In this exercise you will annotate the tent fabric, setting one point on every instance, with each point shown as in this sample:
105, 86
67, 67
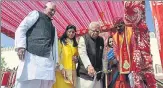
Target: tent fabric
78, 13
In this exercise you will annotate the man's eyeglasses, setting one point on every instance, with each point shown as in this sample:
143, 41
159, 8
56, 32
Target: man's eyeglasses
97, 31
71, 32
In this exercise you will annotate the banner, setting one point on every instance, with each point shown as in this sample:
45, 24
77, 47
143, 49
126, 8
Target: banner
157, 11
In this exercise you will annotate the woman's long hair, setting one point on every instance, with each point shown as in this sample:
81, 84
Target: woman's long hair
64, 36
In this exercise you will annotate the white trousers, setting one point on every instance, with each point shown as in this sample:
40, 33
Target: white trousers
34, 84
82, 83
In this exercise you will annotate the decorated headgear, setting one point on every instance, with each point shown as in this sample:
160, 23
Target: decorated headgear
118, 21
134, 11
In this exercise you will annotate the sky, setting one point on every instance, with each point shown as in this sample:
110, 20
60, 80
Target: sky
9, 42
6, 41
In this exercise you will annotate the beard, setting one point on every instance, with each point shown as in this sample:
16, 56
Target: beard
120, 30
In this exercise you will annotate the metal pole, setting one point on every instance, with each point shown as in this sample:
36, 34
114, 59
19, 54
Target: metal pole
106, 80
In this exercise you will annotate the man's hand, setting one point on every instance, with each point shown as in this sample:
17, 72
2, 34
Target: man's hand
57, 67
21, 53
75, 59
91, 70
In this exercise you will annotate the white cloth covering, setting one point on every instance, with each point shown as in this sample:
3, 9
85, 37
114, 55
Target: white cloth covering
34, 84
82, 83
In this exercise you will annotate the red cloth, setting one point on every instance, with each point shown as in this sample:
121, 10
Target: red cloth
121, 82
158, 19
14, 79
5, 78
142, 60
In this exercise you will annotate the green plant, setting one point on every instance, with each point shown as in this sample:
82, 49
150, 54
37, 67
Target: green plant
3, 63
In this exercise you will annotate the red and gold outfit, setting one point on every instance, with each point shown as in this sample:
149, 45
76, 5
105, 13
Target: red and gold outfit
123, 43
142, 61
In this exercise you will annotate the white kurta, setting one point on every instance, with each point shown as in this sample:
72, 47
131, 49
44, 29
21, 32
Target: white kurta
34, 67
83, 83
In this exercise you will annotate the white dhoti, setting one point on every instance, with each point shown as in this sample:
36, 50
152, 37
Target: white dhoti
35, 72
82, 83
34, 84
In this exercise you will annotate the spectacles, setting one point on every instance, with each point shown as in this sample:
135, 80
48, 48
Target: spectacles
71, 31
97, 31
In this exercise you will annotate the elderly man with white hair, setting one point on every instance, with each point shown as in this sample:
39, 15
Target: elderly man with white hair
90, 50
36, 46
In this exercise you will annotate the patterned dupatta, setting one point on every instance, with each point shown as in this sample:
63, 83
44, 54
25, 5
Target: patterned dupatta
110, 55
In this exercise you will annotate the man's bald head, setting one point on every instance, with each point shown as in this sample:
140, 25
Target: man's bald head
50, 9
50, 5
